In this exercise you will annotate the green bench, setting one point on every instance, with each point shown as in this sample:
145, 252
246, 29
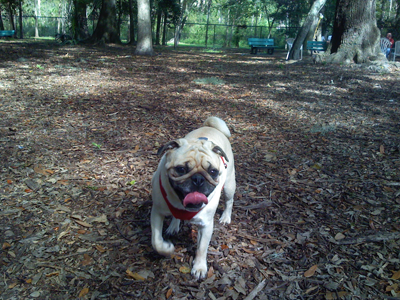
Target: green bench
7, 33
257, 43
317, 45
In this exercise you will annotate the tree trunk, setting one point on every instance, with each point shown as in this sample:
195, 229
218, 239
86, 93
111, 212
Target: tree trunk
309, 25
11, 15
106, 29
21, 32
164, 35
131, 24
1, 21
80, 27
158, 25
355, 33
144, 43
208, 20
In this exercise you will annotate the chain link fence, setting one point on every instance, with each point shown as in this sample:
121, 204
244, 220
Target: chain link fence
195, 34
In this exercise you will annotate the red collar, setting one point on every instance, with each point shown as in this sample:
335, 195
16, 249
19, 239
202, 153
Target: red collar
179, 214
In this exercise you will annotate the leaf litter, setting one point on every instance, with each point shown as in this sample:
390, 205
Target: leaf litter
317, 150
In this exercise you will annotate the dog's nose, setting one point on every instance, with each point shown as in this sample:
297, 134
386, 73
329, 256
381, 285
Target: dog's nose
198, 180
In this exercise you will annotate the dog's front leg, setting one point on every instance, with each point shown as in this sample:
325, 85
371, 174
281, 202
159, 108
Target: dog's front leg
162, 247
199, 269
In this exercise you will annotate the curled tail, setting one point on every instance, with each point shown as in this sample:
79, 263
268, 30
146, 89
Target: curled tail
218, 124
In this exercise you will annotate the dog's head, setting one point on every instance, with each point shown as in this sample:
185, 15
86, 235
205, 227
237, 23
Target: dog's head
194, 168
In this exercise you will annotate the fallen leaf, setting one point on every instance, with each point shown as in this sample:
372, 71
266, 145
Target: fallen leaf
382, 149
100, 248
83, 292
396, 275
311, 271
12, 285
63, 182
42, 171
134, 275
339, 236
210, 272
184, 270
5, 245
83, 223
169, 293
9, 181
392, 287
87, 260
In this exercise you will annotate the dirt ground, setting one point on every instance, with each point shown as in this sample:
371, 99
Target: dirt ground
317, 150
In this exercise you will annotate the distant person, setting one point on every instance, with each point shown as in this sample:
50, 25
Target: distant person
391, 40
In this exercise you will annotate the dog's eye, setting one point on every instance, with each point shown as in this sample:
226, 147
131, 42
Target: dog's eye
213, 172
180, 170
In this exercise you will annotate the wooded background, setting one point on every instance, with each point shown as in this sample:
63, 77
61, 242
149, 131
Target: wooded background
218, 23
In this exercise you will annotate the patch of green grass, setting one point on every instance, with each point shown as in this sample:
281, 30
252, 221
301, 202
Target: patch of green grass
209, 80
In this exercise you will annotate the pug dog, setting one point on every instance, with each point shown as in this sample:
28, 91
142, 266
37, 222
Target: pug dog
187, 185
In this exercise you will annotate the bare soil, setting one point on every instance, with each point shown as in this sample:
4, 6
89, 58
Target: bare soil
317, 149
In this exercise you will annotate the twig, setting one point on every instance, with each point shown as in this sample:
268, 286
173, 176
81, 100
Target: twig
381, 237
254, 292
261, 240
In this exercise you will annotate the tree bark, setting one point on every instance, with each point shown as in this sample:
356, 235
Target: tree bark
21, 32
11, 16
309, 24
144, 43
355, 33
1, 21
80, 27
131, 24
106, 29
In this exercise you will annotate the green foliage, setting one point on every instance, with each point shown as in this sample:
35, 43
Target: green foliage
171, 9
96, 145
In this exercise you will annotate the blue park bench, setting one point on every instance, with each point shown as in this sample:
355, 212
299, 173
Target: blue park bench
7, 33
317, 45
258, 43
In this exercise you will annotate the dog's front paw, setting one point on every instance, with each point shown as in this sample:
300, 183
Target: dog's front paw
225, 218
199, 270
164, 248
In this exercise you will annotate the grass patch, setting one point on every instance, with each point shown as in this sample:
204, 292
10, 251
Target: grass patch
209, 80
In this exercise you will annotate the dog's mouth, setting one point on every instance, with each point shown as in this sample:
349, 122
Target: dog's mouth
194, 201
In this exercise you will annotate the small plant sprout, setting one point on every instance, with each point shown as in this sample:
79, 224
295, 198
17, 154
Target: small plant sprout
96, 145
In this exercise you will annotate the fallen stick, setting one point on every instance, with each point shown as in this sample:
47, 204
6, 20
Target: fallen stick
371, 238
254, 292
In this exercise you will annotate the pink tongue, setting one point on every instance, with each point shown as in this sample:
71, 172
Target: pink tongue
195, 198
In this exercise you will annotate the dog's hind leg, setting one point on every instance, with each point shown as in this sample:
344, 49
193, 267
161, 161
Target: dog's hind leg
173, 228
229, 192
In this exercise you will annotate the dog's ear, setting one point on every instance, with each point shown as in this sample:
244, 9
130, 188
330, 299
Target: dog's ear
168, 146
219, 151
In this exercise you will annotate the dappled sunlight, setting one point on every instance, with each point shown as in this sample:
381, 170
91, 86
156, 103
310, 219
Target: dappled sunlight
315, 145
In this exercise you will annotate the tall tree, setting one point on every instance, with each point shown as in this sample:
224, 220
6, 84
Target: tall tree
131, 24
355, 33
106, 30
21, 31
79, 20
309, 24
1, 20
37, 15
144, 43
